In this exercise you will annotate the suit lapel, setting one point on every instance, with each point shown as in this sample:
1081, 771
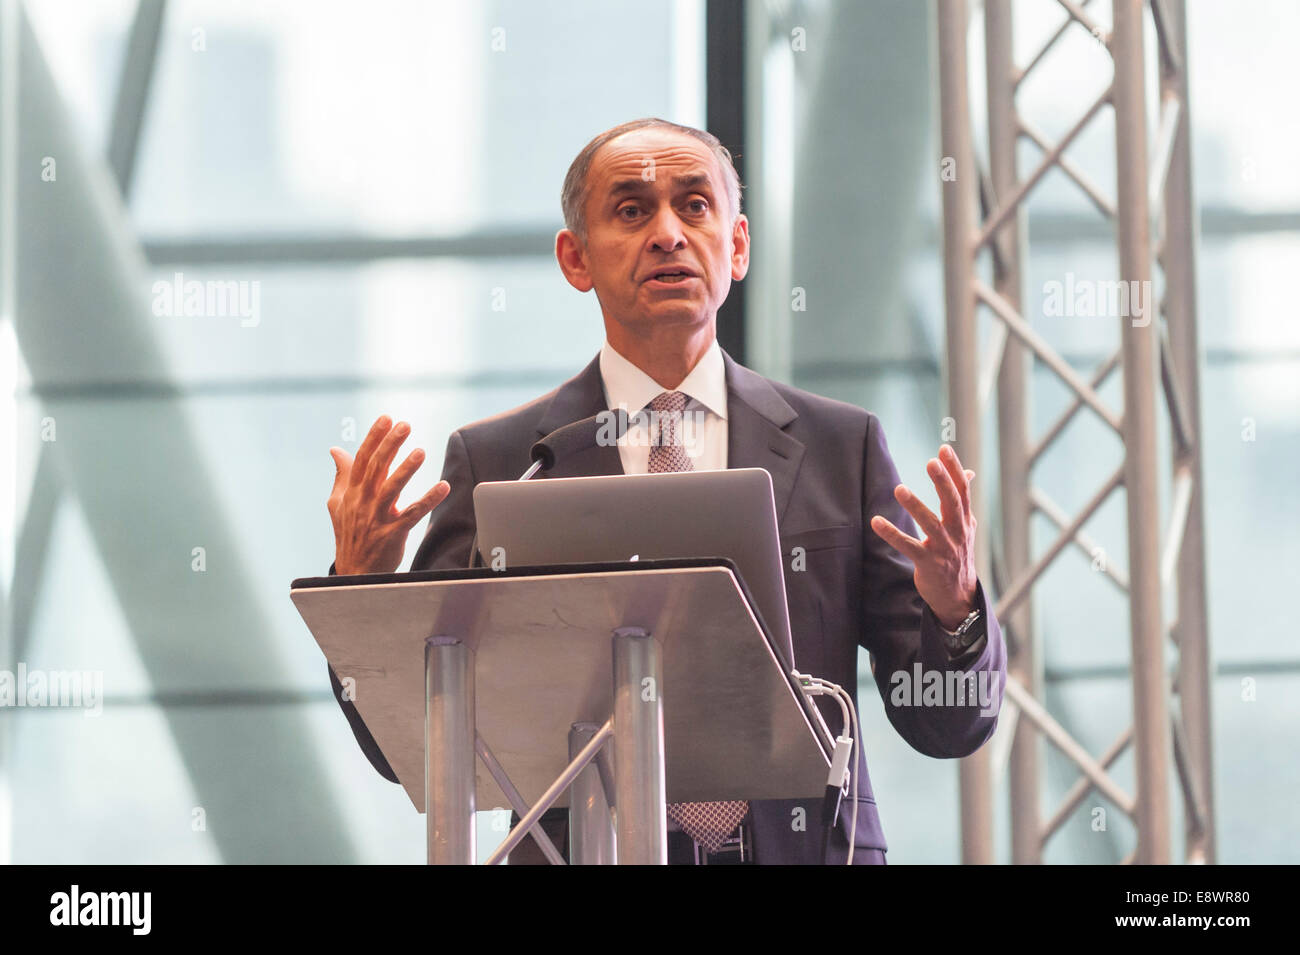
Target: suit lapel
756, 413
757, 416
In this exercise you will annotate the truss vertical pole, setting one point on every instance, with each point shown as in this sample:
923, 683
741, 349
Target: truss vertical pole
958, 180
1140, 343
1024, 660
1179, 260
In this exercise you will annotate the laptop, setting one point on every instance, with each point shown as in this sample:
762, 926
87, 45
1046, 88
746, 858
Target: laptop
722, 513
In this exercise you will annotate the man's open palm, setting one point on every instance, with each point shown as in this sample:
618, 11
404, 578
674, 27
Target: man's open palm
945, 562
369, 531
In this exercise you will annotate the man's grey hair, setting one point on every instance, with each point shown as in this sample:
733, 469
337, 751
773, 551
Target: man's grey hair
574, 195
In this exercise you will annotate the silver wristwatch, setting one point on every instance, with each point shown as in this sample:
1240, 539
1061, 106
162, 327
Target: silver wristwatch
957, 639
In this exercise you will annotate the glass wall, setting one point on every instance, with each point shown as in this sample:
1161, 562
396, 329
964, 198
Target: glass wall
381, 185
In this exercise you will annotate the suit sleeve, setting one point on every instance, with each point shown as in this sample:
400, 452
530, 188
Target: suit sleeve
446, 544
906, 641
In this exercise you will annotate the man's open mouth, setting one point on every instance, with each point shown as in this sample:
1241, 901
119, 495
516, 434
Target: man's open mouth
672, 276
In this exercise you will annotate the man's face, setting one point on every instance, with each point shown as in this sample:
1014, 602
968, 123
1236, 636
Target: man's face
656, 203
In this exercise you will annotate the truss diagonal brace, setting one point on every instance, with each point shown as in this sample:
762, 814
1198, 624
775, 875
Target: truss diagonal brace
1083, 786
1032, 710
1020, 589
1046, 354
1004, 211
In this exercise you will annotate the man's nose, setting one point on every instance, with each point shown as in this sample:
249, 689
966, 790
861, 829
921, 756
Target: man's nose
666, 232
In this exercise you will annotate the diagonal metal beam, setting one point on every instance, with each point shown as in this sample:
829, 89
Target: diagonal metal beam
1046, 353
1098, 377
133, 90
1067, 166
32, 548
1079, 791
1178, 512
992, 363
1004, 738
1175, 402
1170, 112
1077, 14
1057, 516
1056, 734
996, 220
1019, 75
1020, 589
516, 800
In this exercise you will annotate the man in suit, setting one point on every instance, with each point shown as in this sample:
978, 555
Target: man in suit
653, 226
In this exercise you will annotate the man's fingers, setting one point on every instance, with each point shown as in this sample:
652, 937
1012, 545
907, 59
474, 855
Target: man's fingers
948, 458
415, 512
949, 500
342, 467
905, 544
383, 457
392, 488
948, 450
362, 461
920, 513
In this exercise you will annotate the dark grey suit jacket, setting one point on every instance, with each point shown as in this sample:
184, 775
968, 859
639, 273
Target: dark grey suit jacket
831, 472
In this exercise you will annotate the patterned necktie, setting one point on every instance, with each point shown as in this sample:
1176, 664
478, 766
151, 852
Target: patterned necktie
708, 823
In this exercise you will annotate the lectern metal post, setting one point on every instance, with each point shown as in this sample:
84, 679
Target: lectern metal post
591, 828
639, 795
449, 778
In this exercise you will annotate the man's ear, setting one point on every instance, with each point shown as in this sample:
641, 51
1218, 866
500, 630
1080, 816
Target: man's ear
740, 248
572, 256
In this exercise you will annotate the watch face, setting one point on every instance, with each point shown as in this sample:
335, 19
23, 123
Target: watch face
967, 632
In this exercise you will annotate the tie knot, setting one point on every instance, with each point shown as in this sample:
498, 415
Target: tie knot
669, 402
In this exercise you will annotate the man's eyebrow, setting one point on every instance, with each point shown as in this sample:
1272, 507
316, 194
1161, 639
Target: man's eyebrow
637, 186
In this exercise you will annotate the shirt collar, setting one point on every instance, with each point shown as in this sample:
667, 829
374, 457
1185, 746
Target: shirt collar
628, 386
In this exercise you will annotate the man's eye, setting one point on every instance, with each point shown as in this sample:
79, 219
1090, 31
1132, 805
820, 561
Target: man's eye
702, 204
626, 209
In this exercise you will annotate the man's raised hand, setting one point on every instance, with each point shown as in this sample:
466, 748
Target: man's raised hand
945, 562
369, 531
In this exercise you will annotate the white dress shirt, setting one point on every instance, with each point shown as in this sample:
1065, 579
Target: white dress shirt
704, 426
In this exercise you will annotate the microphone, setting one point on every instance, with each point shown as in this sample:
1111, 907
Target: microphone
575, 437
606, 426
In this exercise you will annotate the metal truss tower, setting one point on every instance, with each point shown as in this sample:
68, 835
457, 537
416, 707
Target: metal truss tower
1155, 227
